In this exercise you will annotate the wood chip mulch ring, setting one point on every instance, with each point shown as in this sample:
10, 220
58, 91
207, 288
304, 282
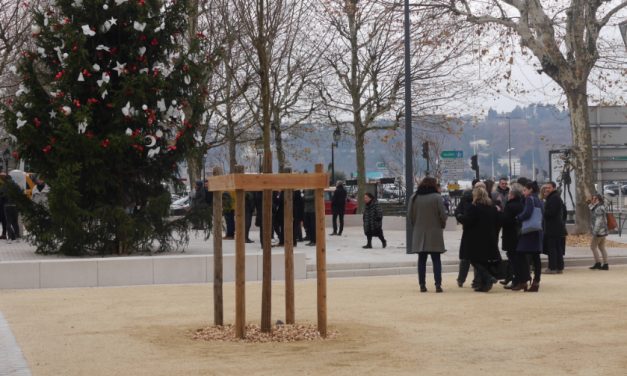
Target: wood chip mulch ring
280, 333
584, 241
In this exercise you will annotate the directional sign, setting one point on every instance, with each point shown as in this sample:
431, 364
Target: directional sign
448, 154
452, 165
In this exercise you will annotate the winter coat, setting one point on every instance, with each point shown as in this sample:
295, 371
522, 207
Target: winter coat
460, 211
428, 218
373, 218
338, 201
309, 201
554, 216
228, 202
40, 196
511, 227
530, 242
499, 197
481, 222
599, 220
299, 206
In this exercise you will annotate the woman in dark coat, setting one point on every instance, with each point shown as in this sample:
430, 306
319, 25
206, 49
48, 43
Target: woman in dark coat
482, 222
530, 244
428, 219
460, 211
511, 228
373, 220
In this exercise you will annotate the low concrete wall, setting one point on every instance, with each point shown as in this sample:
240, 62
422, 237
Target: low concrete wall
127, 271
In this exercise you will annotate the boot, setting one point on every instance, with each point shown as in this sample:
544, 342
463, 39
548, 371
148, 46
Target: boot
367, 246
438, 288
535, 286
597, 265
384, 242
605, 267
520, 286
423, 288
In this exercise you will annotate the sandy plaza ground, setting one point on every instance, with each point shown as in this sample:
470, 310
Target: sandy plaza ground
575, 325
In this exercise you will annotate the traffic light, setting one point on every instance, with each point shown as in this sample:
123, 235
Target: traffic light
425, 150
473, 163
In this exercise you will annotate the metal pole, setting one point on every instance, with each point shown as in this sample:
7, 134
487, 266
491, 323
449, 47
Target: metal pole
409, 175
332, 163
509, 146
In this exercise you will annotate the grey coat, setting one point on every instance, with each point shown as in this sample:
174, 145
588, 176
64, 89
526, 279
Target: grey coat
428, 219
599, 220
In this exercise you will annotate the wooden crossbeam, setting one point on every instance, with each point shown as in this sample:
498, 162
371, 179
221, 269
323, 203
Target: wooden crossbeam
260, 182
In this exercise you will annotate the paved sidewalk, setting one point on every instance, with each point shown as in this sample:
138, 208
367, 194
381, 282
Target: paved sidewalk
12, 362
342, 251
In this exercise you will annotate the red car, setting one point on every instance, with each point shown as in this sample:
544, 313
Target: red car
351, 203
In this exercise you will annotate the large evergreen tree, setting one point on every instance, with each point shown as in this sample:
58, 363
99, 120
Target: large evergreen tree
103, 115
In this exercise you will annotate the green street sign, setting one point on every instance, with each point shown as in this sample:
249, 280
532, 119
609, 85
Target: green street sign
450, 154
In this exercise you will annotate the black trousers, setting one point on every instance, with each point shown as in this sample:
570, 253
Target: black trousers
13, 230
522, 266
484, 276
378, 234
310, 226
337, 215
555, 248
249, 222
464, 268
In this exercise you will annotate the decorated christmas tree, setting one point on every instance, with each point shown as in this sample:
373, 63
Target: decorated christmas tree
106, 110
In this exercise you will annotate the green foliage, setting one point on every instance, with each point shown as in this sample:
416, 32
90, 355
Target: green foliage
109, 105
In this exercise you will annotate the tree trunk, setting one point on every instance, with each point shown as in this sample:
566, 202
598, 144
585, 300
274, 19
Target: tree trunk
232, 145
194, 168
361, 168
278, 140
582, 155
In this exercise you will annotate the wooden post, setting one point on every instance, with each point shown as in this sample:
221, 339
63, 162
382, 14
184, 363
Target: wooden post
218, 301
240, 261
321, 262
288, 240
266, 284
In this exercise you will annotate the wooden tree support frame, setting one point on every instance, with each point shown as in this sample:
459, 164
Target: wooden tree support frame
241, 183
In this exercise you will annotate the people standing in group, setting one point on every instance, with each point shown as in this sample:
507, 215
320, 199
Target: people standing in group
599, 232
482, 223
373, 220
554, 228
510, 232
338, 205
309, 220
529, 244
428, 219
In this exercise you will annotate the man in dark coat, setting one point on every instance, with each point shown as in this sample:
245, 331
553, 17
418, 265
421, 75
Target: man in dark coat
309, 220
249, 203
513, 207
554, 229
338, 205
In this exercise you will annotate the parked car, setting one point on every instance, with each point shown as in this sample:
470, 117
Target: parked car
180, 206
351, 203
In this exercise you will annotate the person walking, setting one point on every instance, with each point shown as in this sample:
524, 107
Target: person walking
249, 210
599, 232
10, 211
338, 205
554, 229
529, 244
373, 220
428, 219
510, 231
482, 248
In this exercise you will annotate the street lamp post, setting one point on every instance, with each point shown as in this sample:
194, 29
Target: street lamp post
509, 146
336, 138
